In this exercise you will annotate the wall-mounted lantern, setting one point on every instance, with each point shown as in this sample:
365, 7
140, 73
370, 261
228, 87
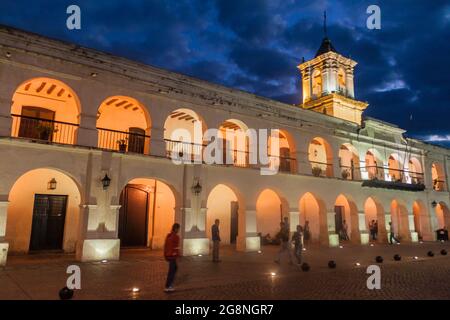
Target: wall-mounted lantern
51, 185
106, 181
197, 188
434, 204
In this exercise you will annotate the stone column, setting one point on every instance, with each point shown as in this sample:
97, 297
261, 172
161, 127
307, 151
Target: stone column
5, 117
3, 244
360, 235
87, 132
294, 219
382, 232
349, 83
247, 239
414, 236
98, 233
328, 235
157, 143
195, 241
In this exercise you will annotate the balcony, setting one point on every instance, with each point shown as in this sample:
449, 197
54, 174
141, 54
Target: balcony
43, 130
122, 141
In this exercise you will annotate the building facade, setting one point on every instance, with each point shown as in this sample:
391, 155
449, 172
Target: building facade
88, 142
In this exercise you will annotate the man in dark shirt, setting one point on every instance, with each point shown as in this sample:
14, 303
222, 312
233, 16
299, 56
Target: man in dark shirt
215, 234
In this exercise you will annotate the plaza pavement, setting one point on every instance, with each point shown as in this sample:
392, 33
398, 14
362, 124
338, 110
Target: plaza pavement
240, 276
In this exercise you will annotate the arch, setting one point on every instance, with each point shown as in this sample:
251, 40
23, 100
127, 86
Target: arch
349, 162
147, 213
223, 204
183, 133
45, 109
438, 177
415, 171
123, 124
400, 221
235, 142
320, 155
395, 168
286, 157
311, 208
421, 220
346, 212
341, 80
271, 208
374, 165
41, 216
317, 86
374, 213
443, 215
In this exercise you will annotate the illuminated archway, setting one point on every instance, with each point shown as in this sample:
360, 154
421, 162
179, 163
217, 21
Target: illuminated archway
415, 171
45, 109
223, 204
320, 156
310, 212
342, 80
43, 212
349, 162
316, 83
400, 221
395, 168
421, 220
442, 215
346, 213
147, 213
270, 210
374, 165
438, 177
285, 159
183, 133
374, 213
123, 124
235, 142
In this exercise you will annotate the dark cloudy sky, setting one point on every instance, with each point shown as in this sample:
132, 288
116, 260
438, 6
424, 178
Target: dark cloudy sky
255, 45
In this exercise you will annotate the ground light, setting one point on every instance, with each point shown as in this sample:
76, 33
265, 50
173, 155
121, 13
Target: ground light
200, 255
273, 274
135, 290
304, 249
416, 258
340, 247
357, 264
104, 261
371, 244
259, 251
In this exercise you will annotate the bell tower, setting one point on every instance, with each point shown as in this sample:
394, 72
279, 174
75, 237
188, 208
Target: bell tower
327, 83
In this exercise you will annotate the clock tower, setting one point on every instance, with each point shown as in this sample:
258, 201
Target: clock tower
327, 84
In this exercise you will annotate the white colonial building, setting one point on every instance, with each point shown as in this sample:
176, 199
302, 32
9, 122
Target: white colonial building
87, 140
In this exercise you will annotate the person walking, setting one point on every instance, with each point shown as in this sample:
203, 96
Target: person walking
215, 235
283, 235
297, 239
391, 234
171, 254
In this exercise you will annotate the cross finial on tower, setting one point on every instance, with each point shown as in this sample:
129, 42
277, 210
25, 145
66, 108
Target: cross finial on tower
325, 24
